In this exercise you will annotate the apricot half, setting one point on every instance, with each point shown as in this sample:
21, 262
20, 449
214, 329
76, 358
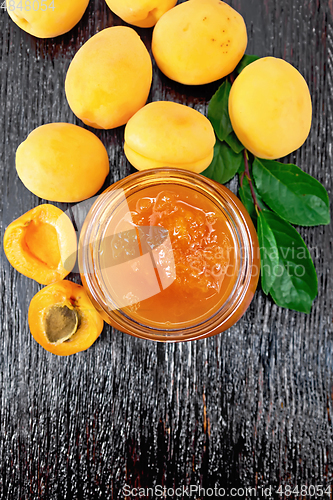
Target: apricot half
46, 18
41, 244
63, 320
167, 134
199, 41
109, 78
62, 162
270, 108
142, 13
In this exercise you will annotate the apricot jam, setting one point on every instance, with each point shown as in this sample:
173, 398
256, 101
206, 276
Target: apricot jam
200, 253
169, 255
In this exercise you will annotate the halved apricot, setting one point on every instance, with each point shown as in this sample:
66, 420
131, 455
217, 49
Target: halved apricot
63, 320
41, 244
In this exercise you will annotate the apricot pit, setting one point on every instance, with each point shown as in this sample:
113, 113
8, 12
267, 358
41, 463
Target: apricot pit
61, 323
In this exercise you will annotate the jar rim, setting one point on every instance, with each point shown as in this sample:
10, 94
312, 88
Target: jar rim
98, 215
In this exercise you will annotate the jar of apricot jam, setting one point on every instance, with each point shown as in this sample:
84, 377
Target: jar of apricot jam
169, 255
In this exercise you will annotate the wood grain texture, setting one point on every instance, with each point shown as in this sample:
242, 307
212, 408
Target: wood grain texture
250, 407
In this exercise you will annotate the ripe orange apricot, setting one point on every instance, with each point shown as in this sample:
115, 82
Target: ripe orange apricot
199, 41
270, 108
63, 320
168, 134
142, 13
46, 18
41, 244
109, 78
62, 162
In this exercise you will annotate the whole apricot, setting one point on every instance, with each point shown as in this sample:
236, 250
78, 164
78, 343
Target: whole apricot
50, 18
199, 41
63, 320
62, 162
142, 13
41, 244
109, 78
167, 134
270, 108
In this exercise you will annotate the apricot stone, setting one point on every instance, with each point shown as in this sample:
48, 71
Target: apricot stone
41, 244
109, 78
199, 41
270, 108
46, 18
142, 13
167, 134
62, 162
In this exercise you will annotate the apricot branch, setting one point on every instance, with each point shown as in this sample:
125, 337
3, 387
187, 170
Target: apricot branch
248, 176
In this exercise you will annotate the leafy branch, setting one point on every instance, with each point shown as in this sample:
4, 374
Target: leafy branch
248, 176
276, 195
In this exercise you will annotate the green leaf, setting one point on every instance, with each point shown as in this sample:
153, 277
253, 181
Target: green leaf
291, 193
269, 254
245, 61
225, 164
233, 141
246, 197
218, 113
295, 285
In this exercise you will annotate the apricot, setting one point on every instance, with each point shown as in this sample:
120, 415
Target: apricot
199, 41
46, 18
109, 78
41, 244
167, 134
63, 320
270, 108
142, 13
62, 162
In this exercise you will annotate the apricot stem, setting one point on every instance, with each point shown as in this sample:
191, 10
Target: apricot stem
61, 322
248, 176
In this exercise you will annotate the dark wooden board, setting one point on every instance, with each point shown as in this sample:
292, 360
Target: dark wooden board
250, 407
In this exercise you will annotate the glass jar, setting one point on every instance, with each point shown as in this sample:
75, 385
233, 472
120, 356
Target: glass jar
131, 261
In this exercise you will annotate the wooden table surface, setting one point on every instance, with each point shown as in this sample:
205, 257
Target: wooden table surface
251, 407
